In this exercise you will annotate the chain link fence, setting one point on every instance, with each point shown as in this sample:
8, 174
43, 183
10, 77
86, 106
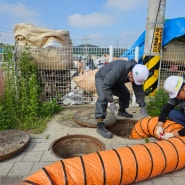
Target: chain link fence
67, 73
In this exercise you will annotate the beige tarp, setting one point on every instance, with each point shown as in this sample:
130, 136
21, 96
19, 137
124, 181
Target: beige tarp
86, 81
52, 49
30, 35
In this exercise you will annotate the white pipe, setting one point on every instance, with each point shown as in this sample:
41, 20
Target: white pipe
136, 59
110, 53
137, 54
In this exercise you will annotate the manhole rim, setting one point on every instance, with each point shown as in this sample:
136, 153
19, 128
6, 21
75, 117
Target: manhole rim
95, 140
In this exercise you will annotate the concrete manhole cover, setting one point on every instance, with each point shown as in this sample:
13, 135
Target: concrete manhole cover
12, 142
85, 117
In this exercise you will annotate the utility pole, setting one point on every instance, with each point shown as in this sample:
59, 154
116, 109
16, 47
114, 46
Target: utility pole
153, 43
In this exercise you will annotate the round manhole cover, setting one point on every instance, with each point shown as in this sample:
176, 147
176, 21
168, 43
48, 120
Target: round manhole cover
123, 127
76, 145
86, 117
12, 142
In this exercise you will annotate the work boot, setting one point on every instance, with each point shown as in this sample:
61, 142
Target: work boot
124, 113
103, 131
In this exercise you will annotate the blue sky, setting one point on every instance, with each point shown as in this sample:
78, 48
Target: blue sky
86, 20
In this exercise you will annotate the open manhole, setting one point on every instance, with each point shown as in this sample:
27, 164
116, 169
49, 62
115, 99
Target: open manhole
86, 117
12, 142
76, 145
122, 127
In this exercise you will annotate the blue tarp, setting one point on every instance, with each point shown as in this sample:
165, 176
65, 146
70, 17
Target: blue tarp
173, 28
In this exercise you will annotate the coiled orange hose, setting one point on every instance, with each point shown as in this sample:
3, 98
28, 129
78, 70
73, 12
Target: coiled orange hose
115, 167
147, 126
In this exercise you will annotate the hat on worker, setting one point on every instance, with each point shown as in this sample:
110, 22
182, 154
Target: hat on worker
140, 73
172, 85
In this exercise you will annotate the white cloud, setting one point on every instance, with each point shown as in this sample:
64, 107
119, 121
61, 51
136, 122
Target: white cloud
17, 9
113, 9
126, 5
90, 20
13, 13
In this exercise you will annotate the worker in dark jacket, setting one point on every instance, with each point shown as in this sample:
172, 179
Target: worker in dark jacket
175, 87
110, 80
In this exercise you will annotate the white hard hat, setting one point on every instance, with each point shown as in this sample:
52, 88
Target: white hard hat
172, 85
140, 73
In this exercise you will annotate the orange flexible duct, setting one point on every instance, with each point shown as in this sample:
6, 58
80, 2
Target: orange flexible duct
115, 167
147, 126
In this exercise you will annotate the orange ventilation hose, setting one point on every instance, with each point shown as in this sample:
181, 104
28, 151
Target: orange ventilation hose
115, 167
147, 126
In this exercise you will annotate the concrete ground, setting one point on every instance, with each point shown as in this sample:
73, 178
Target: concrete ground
39, 154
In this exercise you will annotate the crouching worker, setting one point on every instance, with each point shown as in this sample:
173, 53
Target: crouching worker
110, 80
175, 87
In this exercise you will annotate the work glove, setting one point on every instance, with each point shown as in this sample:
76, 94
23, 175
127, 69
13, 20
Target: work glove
160, 132
113, 108
167, 135
143, 112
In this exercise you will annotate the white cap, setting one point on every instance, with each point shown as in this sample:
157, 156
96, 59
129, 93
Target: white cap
172, 85
140, 73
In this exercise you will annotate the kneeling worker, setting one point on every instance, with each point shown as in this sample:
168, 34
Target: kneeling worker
175, 87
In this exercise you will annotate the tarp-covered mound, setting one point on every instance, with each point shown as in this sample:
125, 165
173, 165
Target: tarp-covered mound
30, 35
52, 49
173, 28
86, 81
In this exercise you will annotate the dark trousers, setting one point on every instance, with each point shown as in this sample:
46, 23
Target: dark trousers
120, 91
178, 116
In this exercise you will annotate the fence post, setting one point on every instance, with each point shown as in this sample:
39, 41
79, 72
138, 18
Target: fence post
136, 54
111, 53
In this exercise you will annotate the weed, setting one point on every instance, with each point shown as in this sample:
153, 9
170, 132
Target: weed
21, 107
147, 140
155, 103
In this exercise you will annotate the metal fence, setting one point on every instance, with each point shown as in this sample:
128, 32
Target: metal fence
173, 61
68, 73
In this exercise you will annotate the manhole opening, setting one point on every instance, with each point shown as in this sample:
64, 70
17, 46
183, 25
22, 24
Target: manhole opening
122, 128
76, 145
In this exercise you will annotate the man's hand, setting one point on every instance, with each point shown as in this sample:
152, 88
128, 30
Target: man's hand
160, 132
113, 108
167, 135
143, 112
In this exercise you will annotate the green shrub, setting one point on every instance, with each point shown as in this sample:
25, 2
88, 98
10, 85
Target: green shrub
22, 108
155, 103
